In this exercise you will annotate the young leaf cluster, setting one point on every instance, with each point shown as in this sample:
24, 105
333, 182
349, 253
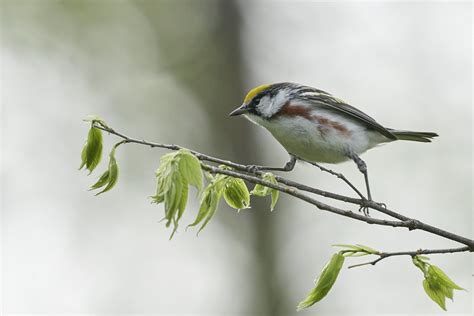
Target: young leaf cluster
92, 150
261, 190
176, 172
110, 176
92, 153
179, 170
325, 281
235, 194
437, 285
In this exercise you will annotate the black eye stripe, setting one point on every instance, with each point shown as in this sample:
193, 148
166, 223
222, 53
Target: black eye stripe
257, 99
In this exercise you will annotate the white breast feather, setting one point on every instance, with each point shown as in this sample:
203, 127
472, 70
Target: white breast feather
306, 139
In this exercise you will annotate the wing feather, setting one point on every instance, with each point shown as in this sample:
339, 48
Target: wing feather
330, 102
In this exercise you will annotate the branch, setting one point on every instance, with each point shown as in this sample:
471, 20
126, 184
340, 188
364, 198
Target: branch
291, 188
338, 175
384, 255
295, 193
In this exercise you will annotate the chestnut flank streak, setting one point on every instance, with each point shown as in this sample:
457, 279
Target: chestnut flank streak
325, 124
295, 110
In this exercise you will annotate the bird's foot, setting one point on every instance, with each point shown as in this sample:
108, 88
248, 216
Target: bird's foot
252, 168
364, 210
364, 206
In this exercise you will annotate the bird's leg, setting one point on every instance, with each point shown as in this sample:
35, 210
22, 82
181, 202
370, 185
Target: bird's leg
287, 167
363, 168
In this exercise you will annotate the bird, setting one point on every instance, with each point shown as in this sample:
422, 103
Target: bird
317, 127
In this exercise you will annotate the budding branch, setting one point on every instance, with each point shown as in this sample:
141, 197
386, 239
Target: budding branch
295, 189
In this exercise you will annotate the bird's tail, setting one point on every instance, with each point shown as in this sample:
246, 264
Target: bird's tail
424, 137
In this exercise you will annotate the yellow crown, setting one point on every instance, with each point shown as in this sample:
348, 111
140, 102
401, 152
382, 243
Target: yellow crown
252, 93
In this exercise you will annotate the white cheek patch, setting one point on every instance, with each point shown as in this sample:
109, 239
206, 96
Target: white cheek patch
265, 107
269, 106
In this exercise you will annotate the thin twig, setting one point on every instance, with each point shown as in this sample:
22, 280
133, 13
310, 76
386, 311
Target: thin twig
289, 187
338, 175
384, 255
241, 167
291, 191
244, 168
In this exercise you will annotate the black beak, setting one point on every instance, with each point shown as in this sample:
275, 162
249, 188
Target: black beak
239, 111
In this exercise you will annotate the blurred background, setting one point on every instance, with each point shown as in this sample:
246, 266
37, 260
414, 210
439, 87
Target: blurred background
171, 71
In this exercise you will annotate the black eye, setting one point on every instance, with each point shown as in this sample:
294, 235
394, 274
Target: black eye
256, 100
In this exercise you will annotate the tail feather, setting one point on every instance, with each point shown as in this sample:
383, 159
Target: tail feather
424, 137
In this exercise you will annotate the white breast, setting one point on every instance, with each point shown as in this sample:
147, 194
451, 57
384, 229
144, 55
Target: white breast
316, 140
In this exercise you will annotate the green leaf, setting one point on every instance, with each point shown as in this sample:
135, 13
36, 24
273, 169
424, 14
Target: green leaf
275, 196
215, 198
325, 281
209, 202
356, 250
261, 190
448, 292
350, 253
173, 198
368, 249
158, 198
164, 177
442, 278
435, 293
204, 206
83, 156
92, 150
111, 177
236, 193
420, 263
175, 173
174, 213
437, 285
166, 159
103, 180
162, 186
173, 176
169, 199
183, 202
352, 247
209, 177
190, 168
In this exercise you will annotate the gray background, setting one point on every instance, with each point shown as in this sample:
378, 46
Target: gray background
170, 71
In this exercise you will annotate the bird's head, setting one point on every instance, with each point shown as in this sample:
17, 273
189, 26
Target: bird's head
265, 100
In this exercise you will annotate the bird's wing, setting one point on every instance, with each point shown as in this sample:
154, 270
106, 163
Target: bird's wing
328, 101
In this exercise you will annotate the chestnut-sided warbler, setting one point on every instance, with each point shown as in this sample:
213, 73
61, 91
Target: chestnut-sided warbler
315, 126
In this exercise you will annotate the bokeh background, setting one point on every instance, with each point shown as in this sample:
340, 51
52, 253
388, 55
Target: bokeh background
170, 71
